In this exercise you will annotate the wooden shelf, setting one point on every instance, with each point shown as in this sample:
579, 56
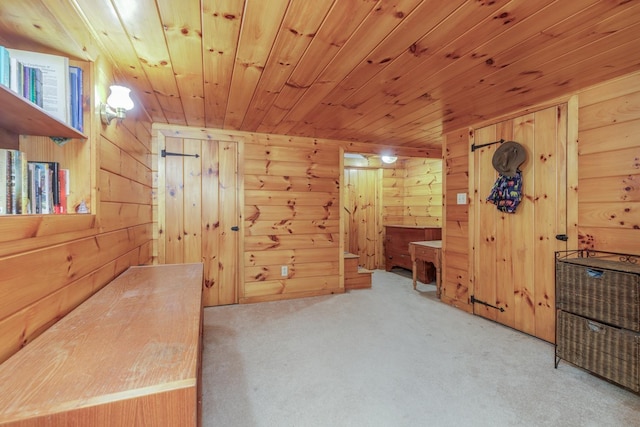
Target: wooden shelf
23, 117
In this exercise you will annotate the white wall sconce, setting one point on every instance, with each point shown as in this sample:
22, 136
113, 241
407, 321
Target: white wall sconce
118, 103
388, 159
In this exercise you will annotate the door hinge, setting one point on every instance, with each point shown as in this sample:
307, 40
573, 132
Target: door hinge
235, 228
474, 147
165, 153
475, 300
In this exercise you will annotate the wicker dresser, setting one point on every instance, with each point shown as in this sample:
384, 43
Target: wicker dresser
598, 314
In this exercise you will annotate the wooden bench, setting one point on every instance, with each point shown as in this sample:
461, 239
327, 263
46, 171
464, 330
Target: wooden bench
355, 277
129, 355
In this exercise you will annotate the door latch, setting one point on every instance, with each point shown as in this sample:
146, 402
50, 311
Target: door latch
235, 228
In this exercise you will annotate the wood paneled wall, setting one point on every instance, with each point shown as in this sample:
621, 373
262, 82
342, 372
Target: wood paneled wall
393, 178
292, 210
423, 192
292, 217
52, 263
609, 166
291, 213
412, 192
457, 277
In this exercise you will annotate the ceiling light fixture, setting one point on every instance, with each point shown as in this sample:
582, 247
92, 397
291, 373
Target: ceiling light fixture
389, 159
118, 103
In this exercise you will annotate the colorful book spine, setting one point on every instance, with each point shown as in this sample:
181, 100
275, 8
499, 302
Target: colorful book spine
64, 190
4, 162
54, 168
44, 187
47, 188
26, 82
75, 94
11, 183
19, 185
24, 184
36, 188
38, 88
5, 67
17, 76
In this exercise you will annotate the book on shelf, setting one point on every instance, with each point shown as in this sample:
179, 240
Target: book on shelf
22, 189
55, 80
63, 178
48, 187
54, 169
17, 76
5, 67
33, 85
13, 182
46, 80
30, 187
75, 94
4, 179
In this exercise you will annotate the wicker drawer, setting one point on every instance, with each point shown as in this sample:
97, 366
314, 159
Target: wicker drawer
603, 290
609, 352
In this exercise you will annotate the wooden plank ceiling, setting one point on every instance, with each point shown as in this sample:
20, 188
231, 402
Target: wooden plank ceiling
393, 72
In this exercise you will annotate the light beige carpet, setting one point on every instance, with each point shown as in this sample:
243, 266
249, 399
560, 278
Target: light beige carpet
391, 356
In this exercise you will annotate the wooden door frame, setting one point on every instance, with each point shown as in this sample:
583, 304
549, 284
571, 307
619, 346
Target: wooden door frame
571, 176
159, 133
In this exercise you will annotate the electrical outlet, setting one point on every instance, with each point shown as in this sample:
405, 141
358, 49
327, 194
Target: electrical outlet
284, 271
462, 198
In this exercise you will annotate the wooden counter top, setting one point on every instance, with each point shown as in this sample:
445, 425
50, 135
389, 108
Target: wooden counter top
129, 353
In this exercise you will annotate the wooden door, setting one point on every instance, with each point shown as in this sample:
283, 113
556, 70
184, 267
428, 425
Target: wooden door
201, 210
514, 252
362, 216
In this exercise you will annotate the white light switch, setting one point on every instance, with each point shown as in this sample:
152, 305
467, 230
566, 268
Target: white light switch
284, 271
462, 198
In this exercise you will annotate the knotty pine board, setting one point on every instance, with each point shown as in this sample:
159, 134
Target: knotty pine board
289, 256
343, 19
369, 34
276, 228
298, 269
254, 46
290, 183
230, 192
115, 216
117, 188
184, 47
608, 172
281, 213
270, 290
286, 52
456, 282
192, 224
619, 189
